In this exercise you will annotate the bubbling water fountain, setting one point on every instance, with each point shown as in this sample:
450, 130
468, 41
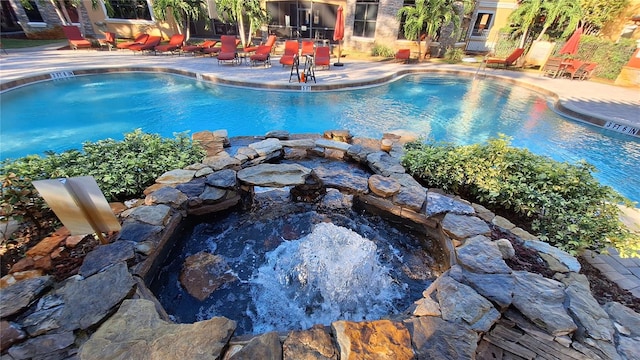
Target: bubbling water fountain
332, 273
289, 266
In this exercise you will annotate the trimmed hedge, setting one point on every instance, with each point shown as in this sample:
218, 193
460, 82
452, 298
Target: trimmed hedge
122, 169
563, 203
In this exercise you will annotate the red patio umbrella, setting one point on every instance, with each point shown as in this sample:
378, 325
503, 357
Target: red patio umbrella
338, 33
571, 46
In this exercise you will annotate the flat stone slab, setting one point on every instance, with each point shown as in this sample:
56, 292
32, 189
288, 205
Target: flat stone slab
177, 176
442, 204
461, 227
137, 332
332, 144
19, 295
274, 175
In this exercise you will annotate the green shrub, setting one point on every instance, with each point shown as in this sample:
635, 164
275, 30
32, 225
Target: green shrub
122, 169
382, 50
453, 55
610, 56
563, 203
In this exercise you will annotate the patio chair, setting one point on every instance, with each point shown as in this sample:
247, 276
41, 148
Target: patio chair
76, 40
323, 56
403, 55
552, 68
194, 49
586, 72
308, 48
139, 39
290, 52
506, 62
228, 50
175, 43
148, 46
214, 50
262, 54
108, 41
271, 40
573, 70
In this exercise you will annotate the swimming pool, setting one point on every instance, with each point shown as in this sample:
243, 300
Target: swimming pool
59, 115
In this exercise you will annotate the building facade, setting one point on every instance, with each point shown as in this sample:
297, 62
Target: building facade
367, 22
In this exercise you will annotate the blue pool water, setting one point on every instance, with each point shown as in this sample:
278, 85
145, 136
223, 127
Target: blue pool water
59, 115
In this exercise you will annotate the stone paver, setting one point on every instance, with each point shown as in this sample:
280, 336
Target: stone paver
591, 99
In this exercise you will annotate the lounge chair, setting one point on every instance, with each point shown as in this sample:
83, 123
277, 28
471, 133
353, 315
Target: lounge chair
214, 50
552, 68
109, 40
149, 45
198, 48
323, 56
262, 54
308, 48
575, 69
290, 52
228, 50
403, 55
175, 43
508, 61
271, 40
585, 72
140, 39
76, 40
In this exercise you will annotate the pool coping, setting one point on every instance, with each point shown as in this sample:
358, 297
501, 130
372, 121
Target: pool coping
555, 101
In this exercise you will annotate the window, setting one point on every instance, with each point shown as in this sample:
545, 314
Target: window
130, 9
364, 23
482, 24
33, 14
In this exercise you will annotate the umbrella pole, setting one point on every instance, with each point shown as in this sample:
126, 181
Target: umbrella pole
339, 55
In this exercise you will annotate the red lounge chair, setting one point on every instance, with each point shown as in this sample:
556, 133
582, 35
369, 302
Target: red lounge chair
403, 55
175, 43
76, 40
290, 52
271, 40
228, 50
200, 47
140, 39
323, 56
262, 54
109, 40
585, 73
149, 45
308, 48
575, 69
214, 50
508, 61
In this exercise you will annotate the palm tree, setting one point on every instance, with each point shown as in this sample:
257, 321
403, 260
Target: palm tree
183, 12
526, 15
414, 23
238, 10
566, 13
427, 16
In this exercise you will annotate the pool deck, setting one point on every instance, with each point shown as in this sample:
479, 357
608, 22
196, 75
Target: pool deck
603, 104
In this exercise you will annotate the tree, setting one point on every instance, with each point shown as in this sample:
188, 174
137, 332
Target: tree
240, 10
597, 13
183, 12
561, 13
426, 17
525, 17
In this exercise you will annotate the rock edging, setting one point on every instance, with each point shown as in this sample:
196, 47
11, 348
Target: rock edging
478, 304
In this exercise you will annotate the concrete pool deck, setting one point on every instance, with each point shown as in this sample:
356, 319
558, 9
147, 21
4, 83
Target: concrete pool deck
607, 105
